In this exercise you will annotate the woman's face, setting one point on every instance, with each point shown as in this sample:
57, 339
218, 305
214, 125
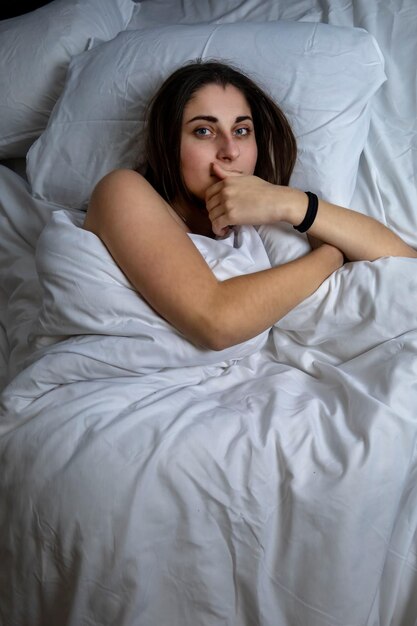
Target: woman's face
217, 127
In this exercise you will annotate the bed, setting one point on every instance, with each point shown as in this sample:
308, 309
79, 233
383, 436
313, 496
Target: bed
145, 481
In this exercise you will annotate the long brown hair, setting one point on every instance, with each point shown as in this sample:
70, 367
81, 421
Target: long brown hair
277, 149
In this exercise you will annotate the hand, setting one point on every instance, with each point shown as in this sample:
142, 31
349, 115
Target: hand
238, 199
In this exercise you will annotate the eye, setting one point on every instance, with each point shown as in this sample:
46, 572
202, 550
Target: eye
202, 132
244, 131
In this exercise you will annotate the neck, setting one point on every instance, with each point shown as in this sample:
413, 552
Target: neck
194, 215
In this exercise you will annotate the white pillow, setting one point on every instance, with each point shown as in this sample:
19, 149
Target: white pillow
153, 13
322, 76
35, 50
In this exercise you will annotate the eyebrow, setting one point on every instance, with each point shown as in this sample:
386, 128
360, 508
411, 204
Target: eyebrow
211, 118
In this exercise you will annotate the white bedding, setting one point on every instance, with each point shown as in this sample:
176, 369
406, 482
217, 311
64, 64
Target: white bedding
145, 481
223, 457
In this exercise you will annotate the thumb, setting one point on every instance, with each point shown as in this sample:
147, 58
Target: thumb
222, 173
218, 171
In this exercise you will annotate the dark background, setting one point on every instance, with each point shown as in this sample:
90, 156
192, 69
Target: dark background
10, 8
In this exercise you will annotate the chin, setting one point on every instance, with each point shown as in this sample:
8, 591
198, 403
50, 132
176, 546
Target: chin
200, 192
200, 198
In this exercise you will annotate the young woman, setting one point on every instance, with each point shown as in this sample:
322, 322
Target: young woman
220, 153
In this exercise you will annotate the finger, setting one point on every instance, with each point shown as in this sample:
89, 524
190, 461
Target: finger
219, 230
213, 190
218, 171
220, 223
224, 231
222, 173
215, 213
213, 202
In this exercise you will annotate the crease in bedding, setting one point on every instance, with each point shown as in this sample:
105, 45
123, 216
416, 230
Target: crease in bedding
273, 485
203, 476
137, 462
90, 309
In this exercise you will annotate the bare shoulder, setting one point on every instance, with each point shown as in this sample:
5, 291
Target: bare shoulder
116, 191
154, 251
117, 179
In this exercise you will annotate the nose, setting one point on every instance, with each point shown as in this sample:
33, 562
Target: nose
228, 149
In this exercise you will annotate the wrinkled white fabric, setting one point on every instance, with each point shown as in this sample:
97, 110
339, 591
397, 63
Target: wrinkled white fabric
198, 489
278, 490
86, 295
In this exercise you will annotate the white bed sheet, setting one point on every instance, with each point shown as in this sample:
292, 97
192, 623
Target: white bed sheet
22, 218
236, 487
277, 488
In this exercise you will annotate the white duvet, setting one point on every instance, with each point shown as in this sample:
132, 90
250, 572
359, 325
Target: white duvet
147, 481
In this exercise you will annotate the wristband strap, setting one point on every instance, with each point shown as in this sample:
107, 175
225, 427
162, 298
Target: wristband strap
310, 216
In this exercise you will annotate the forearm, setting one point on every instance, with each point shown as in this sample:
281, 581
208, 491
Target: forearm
360, 237
247, 305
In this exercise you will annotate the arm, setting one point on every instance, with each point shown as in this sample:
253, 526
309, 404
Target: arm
166, 268
250, 200
360, 237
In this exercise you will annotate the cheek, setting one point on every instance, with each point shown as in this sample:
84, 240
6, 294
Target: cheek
188, 170
187, 157
192, 154
195, 164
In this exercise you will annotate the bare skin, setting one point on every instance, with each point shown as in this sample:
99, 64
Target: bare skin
149, 239
232, 200
153, 249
